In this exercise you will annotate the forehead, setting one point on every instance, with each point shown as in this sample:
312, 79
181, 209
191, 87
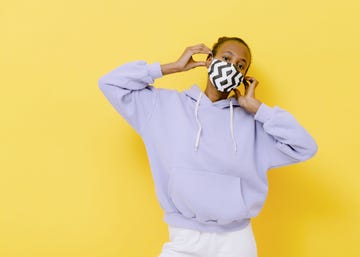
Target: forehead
236, 48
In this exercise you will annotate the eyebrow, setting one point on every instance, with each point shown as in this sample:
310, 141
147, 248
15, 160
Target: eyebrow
233, 54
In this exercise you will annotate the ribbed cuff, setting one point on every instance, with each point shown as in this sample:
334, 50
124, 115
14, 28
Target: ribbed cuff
155, 70
264, 113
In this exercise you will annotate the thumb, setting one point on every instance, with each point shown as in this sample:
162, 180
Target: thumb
197, 64
251, 90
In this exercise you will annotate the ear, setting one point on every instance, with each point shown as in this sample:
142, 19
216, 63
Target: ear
208, 60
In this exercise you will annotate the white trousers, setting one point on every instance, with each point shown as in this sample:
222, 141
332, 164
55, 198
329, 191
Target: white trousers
192, 243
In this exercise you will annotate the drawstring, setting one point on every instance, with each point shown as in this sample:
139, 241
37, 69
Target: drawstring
198, 122
200, 128
232, 125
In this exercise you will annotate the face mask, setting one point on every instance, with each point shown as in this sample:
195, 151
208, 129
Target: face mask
224, 76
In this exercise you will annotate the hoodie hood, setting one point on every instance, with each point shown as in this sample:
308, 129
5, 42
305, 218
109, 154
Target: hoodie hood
198, 96
194, 92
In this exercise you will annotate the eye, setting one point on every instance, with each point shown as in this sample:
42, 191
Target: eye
225, 58
241, 66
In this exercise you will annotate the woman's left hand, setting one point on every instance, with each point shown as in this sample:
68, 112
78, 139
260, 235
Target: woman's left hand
248, 100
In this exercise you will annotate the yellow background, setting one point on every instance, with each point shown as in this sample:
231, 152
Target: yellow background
74, 176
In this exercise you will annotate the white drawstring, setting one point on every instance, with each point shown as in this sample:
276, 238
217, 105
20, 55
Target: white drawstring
198, 122
200, 128
232, 125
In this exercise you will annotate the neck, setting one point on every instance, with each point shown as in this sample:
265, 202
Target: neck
213, 94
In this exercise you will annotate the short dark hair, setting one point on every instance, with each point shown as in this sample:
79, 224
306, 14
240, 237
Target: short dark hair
222, 40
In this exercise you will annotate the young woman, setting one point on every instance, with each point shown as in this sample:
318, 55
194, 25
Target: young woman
209, 152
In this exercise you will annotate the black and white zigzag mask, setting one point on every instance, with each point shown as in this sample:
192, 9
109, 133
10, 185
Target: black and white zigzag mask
224, 76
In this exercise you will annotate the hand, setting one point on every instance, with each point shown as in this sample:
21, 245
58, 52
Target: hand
248, 101
186, 62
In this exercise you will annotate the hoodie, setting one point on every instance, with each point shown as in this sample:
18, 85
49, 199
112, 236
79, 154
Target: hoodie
209, 160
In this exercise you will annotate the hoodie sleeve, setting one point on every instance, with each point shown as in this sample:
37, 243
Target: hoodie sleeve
128, 90
290, 142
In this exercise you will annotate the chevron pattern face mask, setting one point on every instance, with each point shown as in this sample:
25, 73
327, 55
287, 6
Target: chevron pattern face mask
224, 76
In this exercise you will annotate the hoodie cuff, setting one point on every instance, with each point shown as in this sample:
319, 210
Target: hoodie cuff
264, 113
155, 70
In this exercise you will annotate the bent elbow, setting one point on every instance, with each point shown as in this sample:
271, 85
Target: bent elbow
101, 83
105, 87
311, 150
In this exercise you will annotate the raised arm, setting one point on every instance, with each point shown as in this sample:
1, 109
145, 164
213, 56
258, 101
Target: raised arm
128, 90
286, 141
129, 87
186, 62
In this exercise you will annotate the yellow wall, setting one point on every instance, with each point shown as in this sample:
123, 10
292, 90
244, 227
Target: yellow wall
74, 177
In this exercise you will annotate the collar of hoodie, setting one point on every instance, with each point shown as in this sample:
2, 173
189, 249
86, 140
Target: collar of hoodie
196, 94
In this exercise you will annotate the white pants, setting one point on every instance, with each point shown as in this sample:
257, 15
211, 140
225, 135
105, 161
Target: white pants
193, 243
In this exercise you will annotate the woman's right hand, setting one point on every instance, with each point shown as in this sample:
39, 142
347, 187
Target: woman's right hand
186, 62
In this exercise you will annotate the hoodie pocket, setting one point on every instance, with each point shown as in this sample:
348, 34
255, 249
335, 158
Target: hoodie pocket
206, 196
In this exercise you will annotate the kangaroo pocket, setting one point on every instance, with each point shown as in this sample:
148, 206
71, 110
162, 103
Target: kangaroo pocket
208, 197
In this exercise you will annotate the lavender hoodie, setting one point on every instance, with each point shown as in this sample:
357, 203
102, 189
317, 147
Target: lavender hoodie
209, 160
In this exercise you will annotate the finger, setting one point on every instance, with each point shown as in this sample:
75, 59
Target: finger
200, 48
251, 89
246, 84
205, 47
237, 92
251, 80
198, 64
186, 59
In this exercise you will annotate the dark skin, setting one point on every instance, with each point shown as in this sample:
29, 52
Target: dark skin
230, 51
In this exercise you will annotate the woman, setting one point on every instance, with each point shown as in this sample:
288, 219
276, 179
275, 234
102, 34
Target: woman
209, 153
